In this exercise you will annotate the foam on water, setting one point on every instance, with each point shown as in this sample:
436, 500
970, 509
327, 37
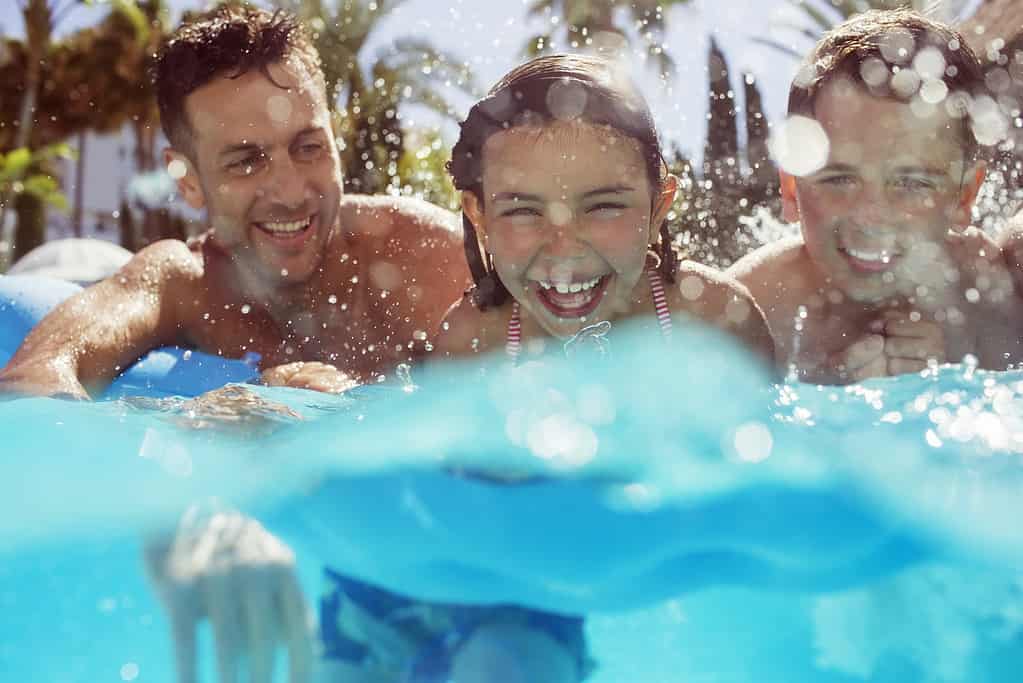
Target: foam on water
718, 528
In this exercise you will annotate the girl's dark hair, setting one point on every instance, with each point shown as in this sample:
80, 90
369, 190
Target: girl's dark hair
552, 88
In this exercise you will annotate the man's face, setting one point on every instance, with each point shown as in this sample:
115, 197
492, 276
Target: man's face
876, 216
267, 169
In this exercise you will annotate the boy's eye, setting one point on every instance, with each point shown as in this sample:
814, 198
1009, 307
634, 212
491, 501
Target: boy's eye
838, 180
914, 183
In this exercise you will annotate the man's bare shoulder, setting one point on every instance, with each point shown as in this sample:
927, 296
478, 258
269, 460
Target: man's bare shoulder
163, 263
383, 216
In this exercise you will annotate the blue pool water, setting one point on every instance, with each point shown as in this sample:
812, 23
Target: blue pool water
713, 526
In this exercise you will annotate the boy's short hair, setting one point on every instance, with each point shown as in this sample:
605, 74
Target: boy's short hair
875, 47
231, 40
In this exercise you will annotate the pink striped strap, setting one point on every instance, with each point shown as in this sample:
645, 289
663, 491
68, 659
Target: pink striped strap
513, 339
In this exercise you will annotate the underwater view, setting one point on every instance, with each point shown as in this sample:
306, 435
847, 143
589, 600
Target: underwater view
450, 341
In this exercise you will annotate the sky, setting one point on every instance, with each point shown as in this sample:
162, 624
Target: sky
490, 35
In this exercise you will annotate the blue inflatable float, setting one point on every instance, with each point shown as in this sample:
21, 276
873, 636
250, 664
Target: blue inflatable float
171, 371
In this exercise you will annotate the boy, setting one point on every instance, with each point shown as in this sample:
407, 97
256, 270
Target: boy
887, 277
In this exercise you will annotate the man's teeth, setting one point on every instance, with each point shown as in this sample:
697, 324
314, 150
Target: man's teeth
289, 226
876, 256
570, 287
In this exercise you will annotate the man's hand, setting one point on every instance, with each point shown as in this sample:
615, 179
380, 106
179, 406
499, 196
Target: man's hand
232, 571
33, 380
309, 375
895, 344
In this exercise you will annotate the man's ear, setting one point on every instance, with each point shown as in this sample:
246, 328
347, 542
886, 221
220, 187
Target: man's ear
472, 208
789, 205
662, 207
973, 178
185, 177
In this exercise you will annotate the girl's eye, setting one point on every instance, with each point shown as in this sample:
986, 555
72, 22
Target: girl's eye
522, 214
607, 210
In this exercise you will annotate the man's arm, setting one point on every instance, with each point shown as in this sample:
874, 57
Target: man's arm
82, 345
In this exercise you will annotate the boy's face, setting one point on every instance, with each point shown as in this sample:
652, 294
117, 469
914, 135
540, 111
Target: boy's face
875, 217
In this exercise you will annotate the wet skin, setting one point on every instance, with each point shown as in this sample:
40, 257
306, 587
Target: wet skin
290, 268
571, 205
887, 274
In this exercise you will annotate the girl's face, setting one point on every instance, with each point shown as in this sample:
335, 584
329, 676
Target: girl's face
567, 214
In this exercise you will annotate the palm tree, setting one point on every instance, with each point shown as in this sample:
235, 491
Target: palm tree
369, 91
588, 24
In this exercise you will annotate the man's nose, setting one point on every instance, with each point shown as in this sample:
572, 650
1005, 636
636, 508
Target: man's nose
285, 184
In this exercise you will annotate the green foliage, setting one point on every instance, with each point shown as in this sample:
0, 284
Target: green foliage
589, 24
24, 171
421, 170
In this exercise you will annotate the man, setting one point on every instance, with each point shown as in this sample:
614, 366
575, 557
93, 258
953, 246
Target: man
290, 269
887, 277
329, 290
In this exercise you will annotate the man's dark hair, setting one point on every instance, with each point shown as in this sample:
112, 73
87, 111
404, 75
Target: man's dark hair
872, 48
229, 40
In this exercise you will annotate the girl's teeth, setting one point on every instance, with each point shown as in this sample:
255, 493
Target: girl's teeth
569, 287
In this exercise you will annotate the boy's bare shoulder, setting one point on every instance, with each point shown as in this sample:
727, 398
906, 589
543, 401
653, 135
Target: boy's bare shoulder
720, 299
762, 264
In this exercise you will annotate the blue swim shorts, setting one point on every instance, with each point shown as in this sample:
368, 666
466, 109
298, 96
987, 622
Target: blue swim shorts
414, 641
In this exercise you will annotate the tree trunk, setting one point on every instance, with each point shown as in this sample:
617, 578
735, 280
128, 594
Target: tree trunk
76, 221
30, 231
38, 28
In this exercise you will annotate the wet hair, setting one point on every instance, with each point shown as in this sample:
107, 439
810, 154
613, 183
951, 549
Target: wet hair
872, 48
543, 90
229, 40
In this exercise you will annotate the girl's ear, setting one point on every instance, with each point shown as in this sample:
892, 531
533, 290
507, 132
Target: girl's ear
662, 206
789, 205
185, 177
973, 178
472, 208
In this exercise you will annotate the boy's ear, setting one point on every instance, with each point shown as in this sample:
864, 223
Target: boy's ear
662, 207
185, 177
972, 181
472, 208
789, 205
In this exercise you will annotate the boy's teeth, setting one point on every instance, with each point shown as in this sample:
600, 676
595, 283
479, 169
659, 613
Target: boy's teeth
883, 256
288, 226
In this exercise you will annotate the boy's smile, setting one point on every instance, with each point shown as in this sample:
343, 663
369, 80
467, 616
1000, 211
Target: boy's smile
876, 216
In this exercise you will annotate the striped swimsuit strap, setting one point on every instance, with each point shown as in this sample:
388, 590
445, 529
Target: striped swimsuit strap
513, 337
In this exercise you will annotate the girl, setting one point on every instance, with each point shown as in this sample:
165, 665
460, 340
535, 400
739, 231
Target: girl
564, 201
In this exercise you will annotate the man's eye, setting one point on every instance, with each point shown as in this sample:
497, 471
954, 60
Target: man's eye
248, 165
309, 151
838, 180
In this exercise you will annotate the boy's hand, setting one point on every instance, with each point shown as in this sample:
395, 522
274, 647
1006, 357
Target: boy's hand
895, 345
309, 375
234, 572
910, 345
861, 360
